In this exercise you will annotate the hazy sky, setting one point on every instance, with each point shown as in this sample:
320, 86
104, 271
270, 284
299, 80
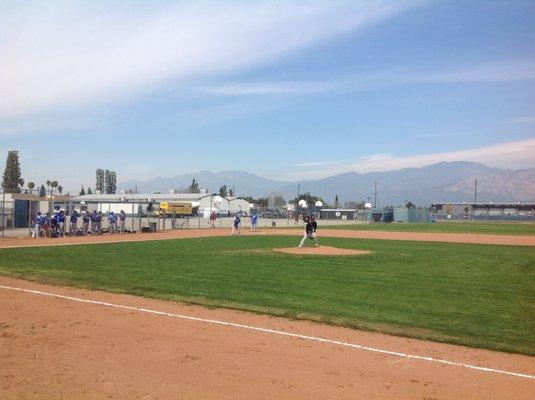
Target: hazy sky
284, 89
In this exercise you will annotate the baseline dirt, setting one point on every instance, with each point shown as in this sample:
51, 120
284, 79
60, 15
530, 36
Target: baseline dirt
321, 251
468, 238
59, 349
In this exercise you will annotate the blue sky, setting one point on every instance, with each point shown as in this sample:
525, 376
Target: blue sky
287, 90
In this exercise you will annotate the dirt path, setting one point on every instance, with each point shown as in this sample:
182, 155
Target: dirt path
351, 234
54, 348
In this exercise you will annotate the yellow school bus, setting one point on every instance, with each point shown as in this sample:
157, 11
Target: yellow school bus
170, 208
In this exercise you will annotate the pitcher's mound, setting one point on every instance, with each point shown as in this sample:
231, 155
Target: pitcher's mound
321, 251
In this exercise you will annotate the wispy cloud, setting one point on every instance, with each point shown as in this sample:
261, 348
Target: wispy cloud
55, 55
517, 154
276, 88
493, 72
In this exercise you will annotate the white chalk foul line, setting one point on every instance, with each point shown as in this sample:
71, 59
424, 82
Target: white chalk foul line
277, 332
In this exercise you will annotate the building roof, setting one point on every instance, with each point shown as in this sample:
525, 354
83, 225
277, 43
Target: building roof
35, 197
140, 196
339, 209
119, 197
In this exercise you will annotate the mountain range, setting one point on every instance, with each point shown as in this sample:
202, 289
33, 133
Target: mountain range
441, 182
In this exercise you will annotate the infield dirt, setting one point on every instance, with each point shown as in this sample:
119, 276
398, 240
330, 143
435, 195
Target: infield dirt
55, 348
468, 238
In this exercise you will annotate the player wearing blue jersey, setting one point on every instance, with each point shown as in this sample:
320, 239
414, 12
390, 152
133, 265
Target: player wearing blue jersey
254, 221
73, 227
112, 222
122, 220
94, 222
236, 225
36, 224
61, 223
86, 219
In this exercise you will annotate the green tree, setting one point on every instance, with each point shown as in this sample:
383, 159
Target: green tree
336, 202
11, 178
60, 189
107, 182
112, 182
31, 186
309, 198
89, 190
231, 192
410, 204
82, 192
223, 192
99, 185
261, 202
54, 184
42, 191
194, 187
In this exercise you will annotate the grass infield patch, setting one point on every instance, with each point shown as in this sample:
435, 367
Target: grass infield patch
474, 295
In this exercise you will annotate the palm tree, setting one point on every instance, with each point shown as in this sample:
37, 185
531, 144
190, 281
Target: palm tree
54, 185
31, 185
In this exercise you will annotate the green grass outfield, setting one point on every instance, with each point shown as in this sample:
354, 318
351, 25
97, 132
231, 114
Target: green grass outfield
475, 295
491, 228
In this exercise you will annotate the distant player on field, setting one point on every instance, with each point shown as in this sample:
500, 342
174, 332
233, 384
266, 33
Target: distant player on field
310, 231
236, 226
254, 221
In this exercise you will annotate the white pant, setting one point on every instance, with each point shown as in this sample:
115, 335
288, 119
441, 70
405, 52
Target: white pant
36, 229
306, 236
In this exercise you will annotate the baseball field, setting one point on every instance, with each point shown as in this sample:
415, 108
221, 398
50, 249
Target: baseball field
447, 317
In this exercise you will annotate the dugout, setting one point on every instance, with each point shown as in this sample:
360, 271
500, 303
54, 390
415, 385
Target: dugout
380, 215
412, 214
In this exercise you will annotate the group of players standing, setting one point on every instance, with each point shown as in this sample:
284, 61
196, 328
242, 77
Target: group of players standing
45, 225
311, 227
236, 223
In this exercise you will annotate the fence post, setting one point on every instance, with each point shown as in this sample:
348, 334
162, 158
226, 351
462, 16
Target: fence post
29, 217
3, 211
139, 214
132, 219
148, 215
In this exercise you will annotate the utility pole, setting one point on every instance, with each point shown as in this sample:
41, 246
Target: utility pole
475, 191
298, 190
375, 202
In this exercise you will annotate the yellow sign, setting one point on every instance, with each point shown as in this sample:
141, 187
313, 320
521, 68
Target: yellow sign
170, 208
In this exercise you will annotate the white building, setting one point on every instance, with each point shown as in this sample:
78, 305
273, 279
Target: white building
131, 203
